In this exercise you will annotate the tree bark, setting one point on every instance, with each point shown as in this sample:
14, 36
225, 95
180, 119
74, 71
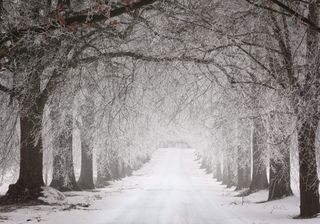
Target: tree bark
306, 108
86, 175
103, 176
240, 178
259, 174
308, 180
231, 177
243, 169
247, 176
63, 178
30, 181
279, 168
87, 129
279, 186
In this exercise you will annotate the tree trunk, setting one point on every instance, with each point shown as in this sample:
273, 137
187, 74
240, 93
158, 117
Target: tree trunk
225, 170
309, 182
102, 179
243, 174
218, 171
30, 181
63, 178
87, 129
240, 178
86, 176
306, 108
231, 177
247, 176
103, 176
279, 186
259, 173
228, 175
279, 167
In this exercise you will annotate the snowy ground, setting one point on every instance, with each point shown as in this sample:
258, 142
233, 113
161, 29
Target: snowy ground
170, 189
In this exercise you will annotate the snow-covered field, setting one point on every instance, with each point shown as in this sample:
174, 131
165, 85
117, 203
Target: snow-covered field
170, 189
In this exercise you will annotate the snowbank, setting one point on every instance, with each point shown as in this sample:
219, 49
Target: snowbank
52, 196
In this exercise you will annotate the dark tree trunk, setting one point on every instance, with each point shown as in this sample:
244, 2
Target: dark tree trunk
306, 108
63, 178
86, 176
259, 174
309, 182
30, 181
279, 186
240, 178
279, 174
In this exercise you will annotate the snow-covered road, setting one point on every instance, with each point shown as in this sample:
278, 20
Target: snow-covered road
173, 191
170, 189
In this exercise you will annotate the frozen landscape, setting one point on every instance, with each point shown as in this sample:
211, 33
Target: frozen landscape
170, 189
160, 111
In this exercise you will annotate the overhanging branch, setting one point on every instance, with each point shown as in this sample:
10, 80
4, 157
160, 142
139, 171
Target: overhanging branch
77, 18
84, 17
148, 58
290, 11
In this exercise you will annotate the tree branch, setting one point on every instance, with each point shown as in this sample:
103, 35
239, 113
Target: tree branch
148, 58
6, 90
83, 17
292, 12
77, 18
51, 85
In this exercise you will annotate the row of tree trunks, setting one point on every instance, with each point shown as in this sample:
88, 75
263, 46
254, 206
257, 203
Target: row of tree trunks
279, 181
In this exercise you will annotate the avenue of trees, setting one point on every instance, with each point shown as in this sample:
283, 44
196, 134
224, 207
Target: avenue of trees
108, 81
